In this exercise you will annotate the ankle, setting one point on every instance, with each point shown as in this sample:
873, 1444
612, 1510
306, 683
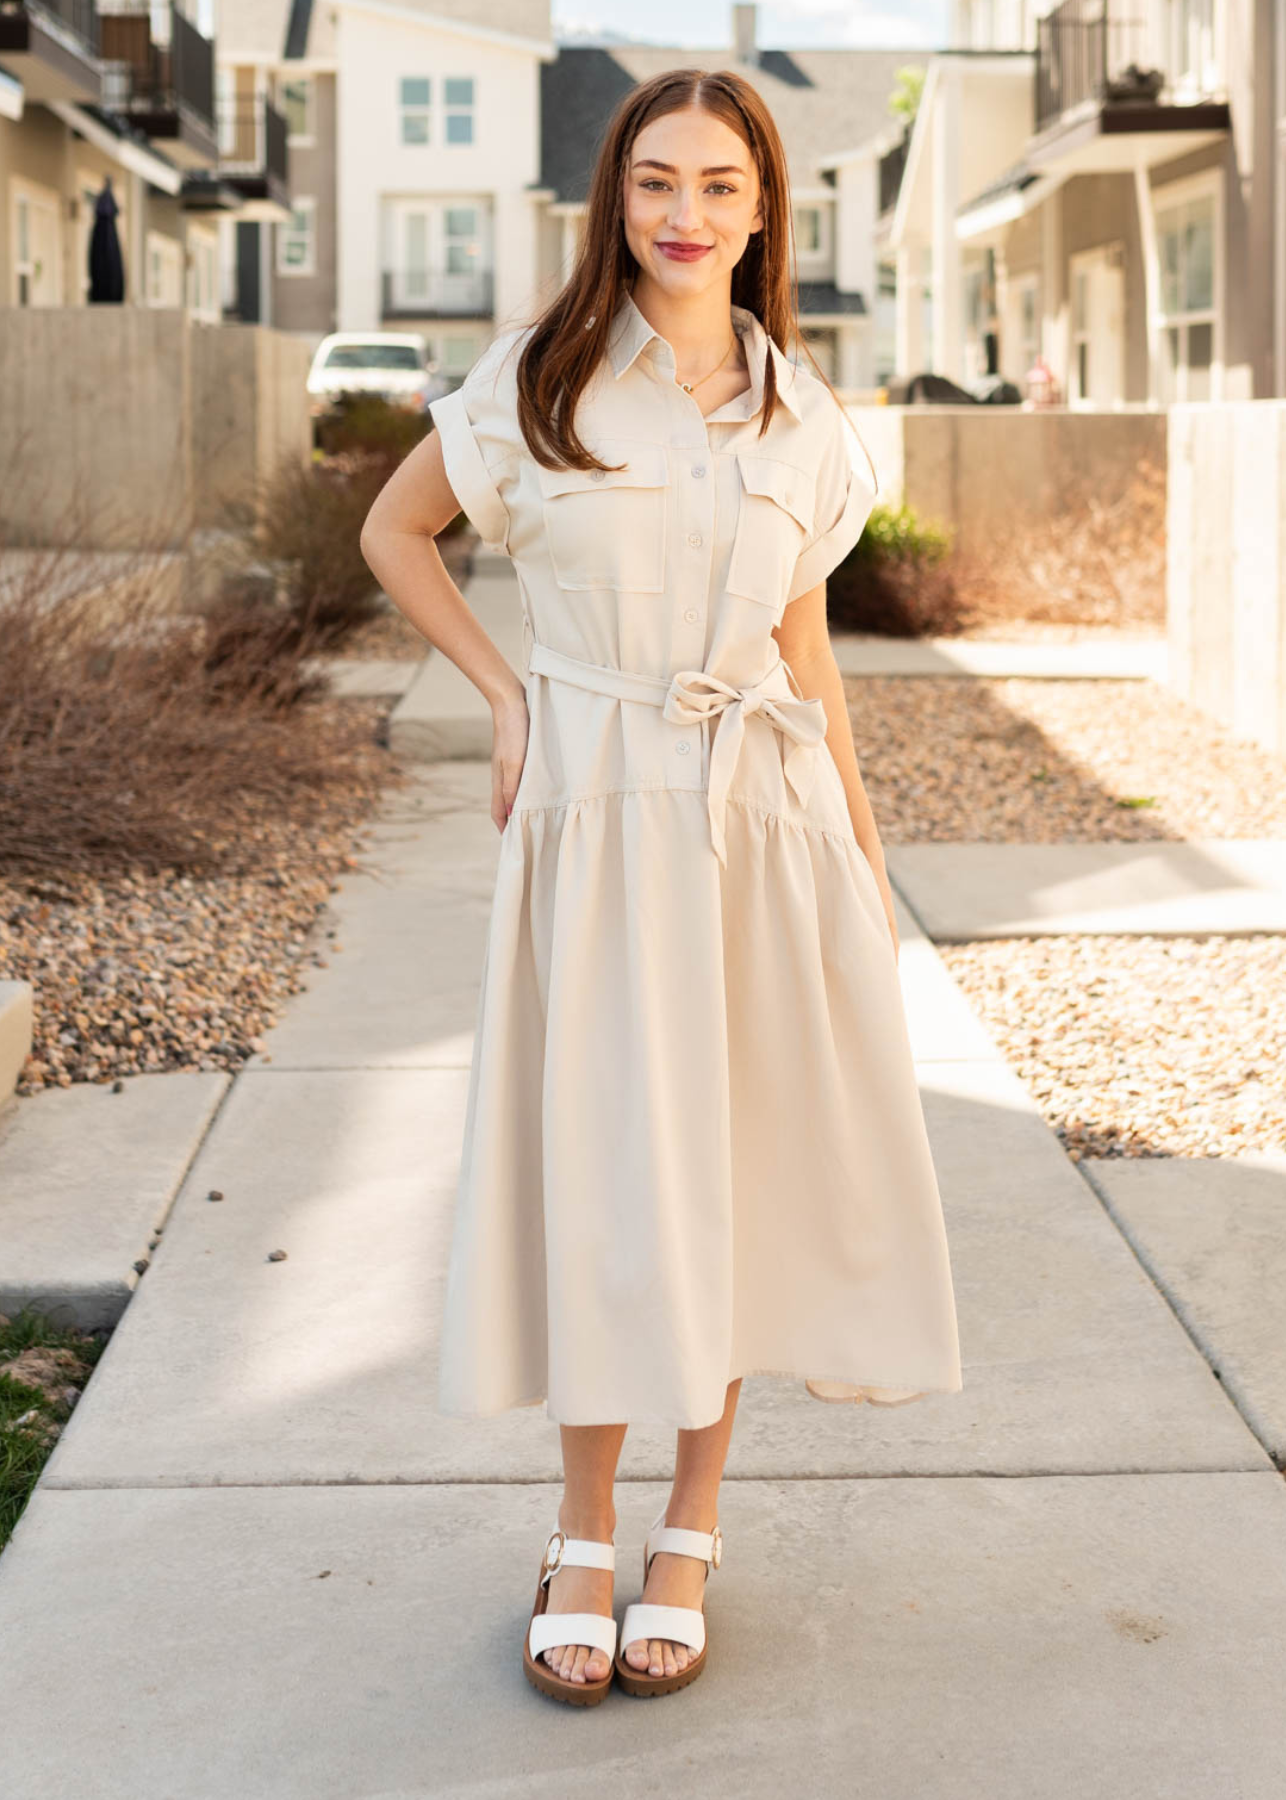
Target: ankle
598, 1523
692, 1511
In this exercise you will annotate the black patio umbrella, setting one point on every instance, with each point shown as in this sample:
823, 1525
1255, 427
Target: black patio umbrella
106, 266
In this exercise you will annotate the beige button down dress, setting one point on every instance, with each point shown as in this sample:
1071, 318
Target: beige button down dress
694, 1146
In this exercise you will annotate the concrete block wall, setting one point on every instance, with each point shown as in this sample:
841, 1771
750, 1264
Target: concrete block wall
125, 427
985, 471
96, 448
1226, 563
250, 414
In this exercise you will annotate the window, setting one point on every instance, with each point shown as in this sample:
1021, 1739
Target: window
297, 104
1185, 235
296, 253
415, 109
203, 268
226, 108
1192, 62
164, 270
808, 230
458, 106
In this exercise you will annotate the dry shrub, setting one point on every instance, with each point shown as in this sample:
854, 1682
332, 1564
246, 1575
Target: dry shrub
1096, 558
140, 737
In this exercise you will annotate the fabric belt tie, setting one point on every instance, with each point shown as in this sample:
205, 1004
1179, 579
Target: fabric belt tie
695, 696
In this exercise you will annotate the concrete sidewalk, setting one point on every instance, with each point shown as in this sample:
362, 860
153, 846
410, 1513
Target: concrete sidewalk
259, 1566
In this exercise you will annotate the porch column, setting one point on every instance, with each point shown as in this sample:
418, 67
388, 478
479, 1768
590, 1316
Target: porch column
908, 345
948, 347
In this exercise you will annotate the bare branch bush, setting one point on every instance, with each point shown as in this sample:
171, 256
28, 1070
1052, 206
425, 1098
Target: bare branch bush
1093, 557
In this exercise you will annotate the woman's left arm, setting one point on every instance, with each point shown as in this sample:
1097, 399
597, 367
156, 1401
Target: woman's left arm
804, 642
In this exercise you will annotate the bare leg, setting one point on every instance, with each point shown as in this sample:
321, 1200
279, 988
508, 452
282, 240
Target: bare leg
694, 1504
590, 1455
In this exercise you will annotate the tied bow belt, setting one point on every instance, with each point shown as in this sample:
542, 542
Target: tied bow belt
694, 695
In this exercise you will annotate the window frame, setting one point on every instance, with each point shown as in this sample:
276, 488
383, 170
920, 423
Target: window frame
300, 140
305, 203
1177, 196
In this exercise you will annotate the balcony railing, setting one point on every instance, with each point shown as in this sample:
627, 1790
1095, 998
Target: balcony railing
1083, 50
52, 47
166, 87
252, 139
418, 293
892, 165
74, 18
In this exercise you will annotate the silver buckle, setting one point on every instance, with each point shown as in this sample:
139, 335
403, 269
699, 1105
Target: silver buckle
716, 1547
547, 1567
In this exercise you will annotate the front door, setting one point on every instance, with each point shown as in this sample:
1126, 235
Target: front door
1096, 377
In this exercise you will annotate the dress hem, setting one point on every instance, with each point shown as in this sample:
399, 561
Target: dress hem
921, 1392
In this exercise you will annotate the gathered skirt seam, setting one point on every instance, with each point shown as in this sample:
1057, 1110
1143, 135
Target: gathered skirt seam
661, 787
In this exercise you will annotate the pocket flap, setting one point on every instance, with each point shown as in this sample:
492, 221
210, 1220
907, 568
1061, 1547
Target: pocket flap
792, 488
645, 466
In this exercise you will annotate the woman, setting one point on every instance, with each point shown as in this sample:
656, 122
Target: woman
694, 1148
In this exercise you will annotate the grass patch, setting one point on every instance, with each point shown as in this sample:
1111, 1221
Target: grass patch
43, 1370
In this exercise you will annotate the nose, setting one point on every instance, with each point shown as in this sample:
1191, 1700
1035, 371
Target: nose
685, 214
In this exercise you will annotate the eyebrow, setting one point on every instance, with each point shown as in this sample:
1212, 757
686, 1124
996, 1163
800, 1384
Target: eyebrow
648, 162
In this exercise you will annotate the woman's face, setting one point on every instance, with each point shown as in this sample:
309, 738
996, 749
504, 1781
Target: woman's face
691, 201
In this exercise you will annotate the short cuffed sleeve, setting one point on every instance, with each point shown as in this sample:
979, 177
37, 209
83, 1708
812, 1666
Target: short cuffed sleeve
846, 492
478, 428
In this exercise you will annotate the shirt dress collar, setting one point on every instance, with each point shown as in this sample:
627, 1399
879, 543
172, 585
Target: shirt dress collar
631, 335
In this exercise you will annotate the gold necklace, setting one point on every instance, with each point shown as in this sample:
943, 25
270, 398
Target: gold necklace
690, 387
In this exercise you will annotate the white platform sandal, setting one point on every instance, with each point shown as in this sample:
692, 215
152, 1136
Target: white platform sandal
547, 1629
680, 1624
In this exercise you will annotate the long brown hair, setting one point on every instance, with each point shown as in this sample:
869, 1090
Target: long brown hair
570, 337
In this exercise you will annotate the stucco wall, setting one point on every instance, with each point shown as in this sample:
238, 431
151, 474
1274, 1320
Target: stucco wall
126, 426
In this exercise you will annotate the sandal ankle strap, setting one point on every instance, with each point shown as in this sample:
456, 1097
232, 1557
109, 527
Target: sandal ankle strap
705, 1546
562, 1551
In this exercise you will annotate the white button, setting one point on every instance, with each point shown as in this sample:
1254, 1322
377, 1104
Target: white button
596, 474
681, 747
692, 615
699, 469
694, 538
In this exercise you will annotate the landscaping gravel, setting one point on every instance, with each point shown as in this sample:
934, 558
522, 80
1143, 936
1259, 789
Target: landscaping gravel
141, 973
1140, 1046
1130, 1046
1021, 761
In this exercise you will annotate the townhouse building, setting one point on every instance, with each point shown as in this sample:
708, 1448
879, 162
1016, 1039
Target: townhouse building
1102, 184
125, 90
440, 153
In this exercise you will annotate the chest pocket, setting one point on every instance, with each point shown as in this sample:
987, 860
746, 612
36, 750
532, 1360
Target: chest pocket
606, 528
774, 522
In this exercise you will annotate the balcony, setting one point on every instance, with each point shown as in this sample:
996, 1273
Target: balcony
251, 176
52, 47
421, 293
165, 89
1100, 103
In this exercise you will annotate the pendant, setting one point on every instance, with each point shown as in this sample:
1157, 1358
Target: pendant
686, 386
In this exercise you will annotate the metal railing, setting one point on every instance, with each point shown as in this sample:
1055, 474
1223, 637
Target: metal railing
410, 293
143, 75
252, 139
1082, 48
77, 17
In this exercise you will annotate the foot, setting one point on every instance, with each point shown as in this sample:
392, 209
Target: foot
573, 1589
672, 1580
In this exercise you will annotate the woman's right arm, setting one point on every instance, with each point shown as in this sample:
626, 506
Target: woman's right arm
398, 543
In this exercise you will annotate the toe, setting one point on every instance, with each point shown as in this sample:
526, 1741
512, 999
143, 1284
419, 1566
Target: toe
578, 1662
596, 1665
656, 1658
636, 1654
